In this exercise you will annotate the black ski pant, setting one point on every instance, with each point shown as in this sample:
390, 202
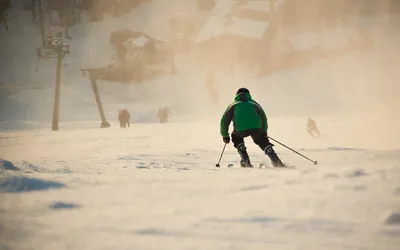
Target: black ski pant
259, 137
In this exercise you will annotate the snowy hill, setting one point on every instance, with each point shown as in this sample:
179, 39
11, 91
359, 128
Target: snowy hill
140, 188
154, 186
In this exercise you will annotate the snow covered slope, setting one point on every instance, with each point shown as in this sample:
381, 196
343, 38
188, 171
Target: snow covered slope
156, 187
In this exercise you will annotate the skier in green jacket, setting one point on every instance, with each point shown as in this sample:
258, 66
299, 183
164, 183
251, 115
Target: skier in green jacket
248, 119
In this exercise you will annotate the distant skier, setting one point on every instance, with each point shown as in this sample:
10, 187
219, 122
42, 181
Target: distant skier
312, 127
210, 86
248, 119
163, 114
167, 112
124, 117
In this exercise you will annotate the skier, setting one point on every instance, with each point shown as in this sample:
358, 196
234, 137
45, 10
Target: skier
210, 86
124, 117
163, 114
312, 127
248, 119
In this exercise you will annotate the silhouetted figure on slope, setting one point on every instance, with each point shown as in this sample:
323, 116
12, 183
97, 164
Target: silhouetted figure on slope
210, 86
124, 118
163, 114
312, 127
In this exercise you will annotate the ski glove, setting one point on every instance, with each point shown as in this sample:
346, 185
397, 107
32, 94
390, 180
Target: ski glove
226, 139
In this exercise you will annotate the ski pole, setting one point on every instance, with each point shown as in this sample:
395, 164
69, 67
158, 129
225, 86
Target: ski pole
315, 162
217, 165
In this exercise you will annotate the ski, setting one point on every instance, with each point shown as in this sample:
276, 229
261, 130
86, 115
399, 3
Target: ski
265, 165
261, 165
231, 165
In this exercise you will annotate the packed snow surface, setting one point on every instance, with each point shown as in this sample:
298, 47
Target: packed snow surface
157, 187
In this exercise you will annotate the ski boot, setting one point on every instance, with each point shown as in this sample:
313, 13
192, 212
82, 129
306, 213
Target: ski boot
245, 161
276, 162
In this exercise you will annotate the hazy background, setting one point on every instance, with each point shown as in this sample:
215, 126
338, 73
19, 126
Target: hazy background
359, 88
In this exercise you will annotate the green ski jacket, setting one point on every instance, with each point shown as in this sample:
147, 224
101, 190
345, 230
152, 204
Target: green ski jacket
245, 113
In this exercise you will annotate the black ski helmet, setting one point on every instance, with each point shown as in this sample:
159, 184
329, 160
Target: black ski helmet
242, 90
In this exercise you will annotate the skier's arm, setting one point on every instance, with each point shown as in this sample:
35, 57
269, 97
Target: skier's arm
226, 121
263, 116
